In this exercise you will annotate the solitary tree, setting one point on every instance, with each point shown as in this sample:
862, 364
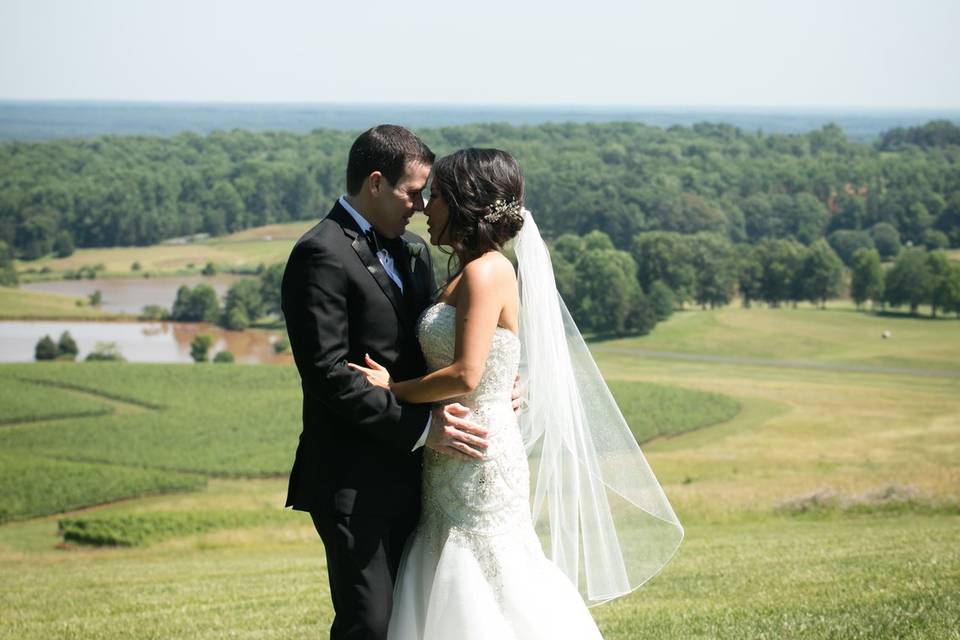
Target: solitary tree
46, 349
67, 347
200, 346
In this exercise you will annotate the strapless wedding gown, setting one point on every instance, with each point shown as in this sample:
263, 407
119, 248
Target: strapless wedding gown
474, 568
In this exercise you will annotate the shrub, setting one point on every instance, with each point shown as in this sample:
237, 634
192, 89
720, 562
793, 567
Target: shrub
199, 304
105, 352
223, 357
154, 312
67, 347
46, 349
199, 347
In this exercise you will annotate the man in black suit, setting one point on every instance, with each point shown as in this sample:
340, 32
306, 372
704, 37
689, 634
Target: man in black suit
355, 284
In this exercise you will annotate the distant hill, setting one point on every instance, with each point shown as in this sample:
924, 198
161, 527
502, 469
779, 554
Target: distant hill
50, 120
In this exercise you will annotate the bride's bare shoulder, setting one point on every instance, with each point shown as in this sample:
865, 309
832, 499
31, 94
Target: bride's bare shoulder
492, 269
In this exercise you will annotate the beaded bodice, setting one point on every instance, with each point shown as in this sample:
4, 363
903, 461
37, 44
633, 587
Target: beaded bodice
491, 495
437, 333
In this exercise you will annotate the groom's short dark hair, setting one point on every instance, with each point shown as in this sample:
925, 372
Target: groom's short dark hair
386, 148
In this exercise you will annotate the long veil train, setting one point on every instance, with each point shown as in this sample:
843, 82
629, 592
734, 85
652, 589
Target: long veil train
597, 505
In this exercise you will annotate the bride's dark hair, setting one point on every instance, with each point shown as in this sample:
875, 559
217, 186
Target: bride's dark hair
483, 189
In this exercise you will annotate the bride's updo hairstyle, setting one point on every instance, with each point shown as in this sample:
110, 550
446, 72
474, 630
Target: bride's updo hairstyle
483, 189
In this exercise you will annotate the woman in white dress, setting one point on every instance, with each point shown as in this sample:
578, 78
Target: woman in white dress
475, 567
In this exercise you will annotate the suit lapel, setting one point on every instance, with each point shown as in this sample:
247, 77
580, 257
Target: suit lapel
416, 280
367, 257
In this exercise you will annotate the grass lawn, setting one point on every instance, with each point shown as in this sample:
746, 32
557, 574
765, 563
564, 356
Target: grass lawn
838, 334
880, 561
17, 304
243, 250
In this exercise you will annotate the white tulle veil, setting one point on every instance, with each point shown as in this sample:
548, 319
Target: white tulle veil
600, 512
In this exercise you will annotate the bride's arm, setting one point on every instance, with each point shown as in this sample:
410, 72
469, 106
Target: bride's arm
480, 294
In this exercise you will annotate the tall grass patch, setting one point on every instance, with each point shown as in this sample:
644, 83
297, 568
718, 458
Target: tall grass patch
654, 410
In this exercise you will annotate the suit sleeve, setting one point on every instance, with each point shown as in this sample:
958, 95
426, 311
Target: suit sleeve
314, 299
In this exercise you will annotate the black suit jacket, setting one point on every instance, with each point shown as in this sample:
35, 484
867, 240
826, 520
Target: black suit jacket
355, 453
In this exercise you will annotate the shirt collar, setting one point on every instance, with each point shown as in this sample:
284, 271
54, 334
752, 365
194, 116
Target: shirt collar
357, 217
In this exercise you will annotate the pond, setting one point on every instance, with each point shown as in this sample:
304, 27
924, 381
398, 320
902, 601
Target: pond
140, 341
131, 295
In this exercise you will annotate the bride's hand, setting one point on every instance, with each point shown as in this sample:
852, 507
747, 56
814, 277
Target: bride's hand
375, 373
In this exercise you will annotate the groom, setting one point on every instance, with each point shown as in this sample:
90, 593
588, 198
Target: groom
355, 284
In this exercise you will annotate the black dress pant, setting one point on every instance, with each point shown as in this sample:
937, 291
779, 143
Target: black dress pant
363, 555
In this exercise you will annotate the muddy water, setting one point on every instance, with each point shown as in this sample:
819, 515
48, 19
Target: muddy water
140, 341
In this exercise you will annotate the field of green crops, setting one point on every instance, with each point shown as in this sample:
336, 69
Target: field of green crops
819, 501
214, 421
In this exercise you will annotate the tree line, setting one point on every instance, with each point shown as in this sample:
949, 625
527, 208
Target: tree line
619, 178
615, 292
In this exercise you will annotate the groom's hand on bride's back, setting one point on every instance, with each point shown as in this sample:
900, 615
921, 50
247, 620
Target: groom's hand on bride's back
453, 434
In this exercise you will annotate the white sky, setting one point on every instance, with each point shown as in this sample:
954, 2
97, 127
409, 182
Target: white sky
764, 53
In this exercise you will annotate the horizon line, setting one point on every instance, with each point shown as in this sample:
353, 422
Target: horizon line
551, 106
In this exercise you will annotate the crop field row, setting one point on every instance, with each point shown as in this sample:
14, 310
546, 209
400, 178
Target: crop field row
22, 401
220, 421
34, 485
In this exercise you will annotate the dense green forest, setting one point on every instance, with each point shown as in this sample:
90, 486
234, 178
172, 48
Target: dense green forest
622, 179
642, 220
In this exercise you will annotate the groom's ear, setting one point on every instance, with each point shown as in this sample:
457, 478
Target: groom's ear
375, 182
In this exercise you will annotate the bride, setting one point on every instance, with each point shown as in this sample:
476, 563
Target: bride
475, 567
